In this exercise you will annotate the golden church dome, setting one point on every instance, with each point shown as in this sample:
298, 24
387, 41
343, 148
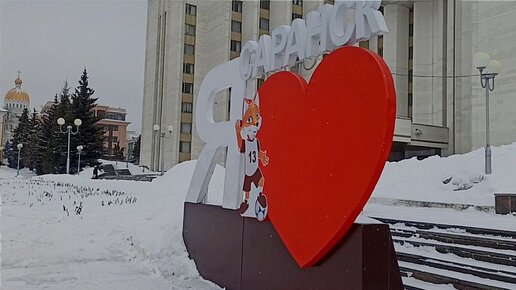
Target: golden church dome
17, 94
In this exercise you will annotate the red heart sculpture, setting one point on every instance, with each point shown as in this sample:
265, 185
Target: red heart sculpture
327, 143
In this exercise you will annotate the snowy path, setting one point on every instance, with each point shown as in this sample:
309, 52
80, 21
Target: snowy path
104, 247
65, 255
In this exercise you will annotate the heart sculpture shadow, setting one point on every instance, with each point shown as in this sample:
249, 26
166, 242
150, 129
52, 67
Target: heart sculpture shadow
328, 142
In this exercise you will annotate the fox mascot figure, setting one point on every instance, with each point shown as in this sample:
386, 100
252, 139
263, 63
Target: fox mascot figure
249, 145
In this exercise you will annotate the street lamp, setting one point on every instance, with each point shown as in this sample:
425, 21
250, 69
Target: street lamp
489, 69
79, 149
20, 146
68, 130
162, 134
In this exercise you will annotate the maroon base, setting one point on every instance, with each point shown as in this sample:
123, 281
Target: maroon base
243, 253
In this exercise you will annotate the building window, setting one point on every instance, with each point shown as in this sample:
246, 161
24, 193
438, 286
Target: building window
236, 26
264, 23
236, 45
191, 9
113, 116
111, 128
265, 4
184, 147
186, 107
186, 128
237, 6
189, 29
189, 49
295, 15
188, 68
113, 139
188, 88
297, 2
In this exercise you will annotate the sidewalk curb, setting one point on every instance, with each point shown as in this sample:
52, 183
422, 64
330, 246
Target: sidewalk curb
430, 204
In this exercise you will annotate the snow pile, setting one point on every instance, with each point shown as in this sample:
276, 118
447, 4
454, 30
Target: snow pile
453, 179
126, 235
158, 234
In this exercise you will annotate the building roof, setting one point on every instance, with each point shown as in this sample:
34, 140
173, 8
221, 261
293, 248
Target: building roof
17, 94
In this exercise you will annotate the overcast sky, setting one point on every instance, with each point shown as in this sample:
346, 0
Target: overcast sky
51, 41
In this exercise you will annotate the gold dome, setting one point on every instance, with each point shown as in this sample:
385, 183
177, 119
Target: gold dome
17, 94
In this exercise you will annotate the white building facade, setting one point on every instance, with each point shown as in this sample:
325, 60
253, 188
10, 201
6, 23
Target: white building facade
429, 49
15, 101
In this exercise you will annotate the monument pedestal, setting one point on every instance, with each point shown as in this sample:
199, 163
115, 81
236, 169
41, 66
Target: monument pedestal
243, 253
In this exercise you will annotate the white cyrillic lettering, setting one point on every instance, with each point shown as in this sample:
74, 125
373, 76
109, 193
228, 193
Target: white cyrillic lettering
247, 59
341, 23
296, 43
314, 29
279, 42
218, 135
368, 20
263, 63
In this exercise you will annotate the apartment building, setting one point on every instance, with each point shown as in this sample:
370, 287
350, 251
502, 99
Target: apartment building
429, 49
115, 126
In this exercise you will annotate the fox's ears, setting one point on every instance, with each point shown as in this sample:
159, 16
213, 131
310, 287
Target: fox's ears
248, 101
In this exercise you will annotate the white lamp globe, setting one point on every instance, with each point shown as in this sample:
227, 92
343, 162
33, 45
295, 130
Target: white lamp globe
20, 146
170, 128
77, 122
80, 147
155, 127
494, 67
60, 121
481, 60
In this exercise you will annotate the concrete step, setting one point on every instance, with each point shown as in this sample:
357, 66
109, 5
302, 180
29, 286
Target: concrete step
482, 272
446, 278
428, 226
463, 256
474, 240
464, 252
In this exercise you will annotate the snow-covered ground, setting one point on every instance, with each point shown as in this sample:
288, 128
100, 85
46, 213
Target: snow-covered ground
126, 236
423, 180
71, 232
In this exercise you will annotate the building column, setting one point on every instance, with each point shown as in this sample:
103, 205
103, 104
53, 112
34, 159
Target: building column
428, 62
396, 52
147, 146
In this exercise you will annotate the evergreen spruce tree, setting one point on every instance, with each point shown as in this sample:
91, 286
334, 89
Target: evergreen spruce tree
11, 154
47, 144
135, 154
34, 130
21, 136
63, 110
118, 152
91, 136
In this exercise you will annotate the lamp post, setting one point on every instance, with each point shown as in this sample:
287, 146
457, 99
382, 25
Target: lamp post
489, 69
20, 146
68, 130
162, 134
79, 149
